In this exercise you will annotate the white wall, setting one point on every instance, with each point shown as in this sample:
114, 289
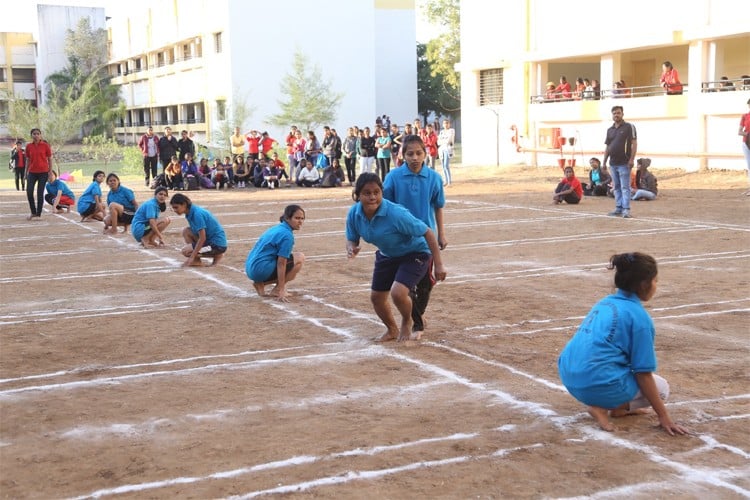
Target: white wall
54, 23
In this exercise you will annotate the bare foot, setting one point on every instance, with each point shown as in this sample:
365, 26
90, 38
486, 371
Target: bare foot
416, 335
622, 412
260, 288
216, 259
33, 217
196, 263
405, 332
112, 230
59, 211
601, 416
389, 335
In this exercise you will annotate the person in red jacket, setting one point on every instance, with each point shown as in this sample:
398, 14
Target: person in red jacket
18, 165
253, 144
563, 90
149, 145
569, 189
38, 165
670, 79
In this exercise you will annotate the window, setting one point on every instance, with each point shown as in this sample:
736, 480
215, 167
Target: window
2, 74
23, 75
490, 87
217, 42
160, 59
221, 110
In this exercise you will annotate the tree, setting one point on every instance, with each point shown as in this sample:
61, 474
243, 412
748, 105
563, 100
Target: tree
60, 119
101, 148
237, 114
444, 52
432, 96
86, 49
310, 100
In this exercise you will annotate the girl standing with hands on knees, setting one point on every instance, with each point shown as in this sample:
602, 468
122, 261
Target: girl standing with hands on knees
271, 261
405, 248
609, 363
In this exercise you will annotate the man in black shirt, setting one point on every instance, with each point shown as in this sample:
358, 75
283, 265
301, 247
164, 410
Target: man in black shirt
622, 146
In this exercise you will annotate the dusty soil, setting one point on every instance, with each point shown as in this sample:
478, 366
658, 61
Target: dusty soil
123, 374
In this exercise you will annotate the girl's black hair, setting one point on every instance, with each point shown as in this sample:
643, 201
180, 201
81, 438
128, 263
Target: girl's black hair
35, 130
112, 175
632, 270
96, 174
289, 212
413, 139
180, 199
363, 180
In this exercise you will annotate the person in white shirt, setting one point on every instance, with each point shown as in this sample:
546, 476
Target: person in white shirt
445, 150
309, 175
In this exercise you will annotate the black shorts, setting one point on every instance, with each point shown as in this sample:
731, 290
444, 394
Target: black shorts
275, 275
90, 210
126, 218
211, 250
408, 270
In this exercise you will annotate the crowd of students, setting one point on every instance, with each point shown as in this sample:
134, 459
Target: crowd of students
643, 184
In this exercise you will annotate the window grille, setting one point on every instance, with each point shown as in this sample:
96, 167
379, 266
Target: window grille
490, 87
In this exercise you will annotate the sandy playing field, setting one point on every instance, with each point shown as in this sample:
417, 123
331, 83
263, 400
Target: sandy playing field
124, 375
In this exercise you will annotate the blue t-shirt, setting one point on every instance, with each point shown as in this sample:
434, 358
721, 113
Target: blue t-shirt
277, 241
87, 198
614, 342
199, 218
392, 229
59, 185
146, 211
124, 196
421, 193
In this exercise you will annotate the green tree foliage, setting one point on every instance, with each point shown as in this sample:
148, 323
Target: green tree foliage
101, 148
237, 115
310, 100
132, 160
444, 52
60, 119
86, 49
433, 96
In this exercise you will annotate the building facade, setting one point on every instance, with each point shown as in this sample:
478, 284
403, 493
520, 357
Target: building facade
508, 120
182, 63
17, 72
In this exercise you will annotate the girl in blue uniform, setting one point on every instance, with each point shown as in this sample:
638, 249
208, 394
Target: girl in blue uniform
90, 204
404, 246
272, 261
59, 195
609, 363
147, 225
122, 205
204, 236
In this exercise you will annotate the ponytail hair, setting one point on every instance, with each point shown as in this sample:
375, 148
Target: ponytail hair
632, 270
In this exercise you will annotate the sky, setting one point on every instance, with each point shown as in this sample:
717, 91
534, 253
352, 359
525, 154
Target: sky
24, 15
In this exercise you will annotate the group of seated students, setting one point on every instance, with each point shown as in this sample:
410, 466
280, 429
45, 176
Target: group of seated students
643, 184
262, 172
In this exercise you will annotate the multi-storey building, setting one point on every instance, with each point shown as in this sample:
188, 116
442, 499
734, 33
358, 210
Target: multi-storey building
182, 63
17, 72
510, 50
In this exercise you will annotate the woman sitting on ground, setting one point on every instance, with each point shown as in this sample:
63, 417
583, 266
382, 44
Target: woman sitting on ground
173, 173
569, 189
645, 181
599, 179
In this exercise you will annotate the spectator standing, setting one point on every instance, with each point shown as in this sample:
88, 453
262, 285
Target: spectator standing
18, 165
366, 151
149, 145
253, 144
446, 140
622, 146
38, 165
431, 144
383, 156
237, 141
670, 79
350, 155
266, 144
167, 147
745, 133
185, 145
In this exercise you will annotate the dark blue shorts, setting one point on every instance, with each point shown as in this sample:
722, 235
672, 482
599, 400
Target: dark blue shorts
275, 275
408, 270
211, 250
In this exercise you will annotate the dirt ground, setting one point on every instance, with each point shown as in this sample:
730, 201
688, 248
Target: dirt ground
125, 375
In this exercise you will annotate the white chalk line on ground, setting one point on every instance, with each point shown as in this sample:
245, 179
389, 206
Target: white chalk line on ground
212, 368
384, 395
165, 362
303, 460
86, 275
